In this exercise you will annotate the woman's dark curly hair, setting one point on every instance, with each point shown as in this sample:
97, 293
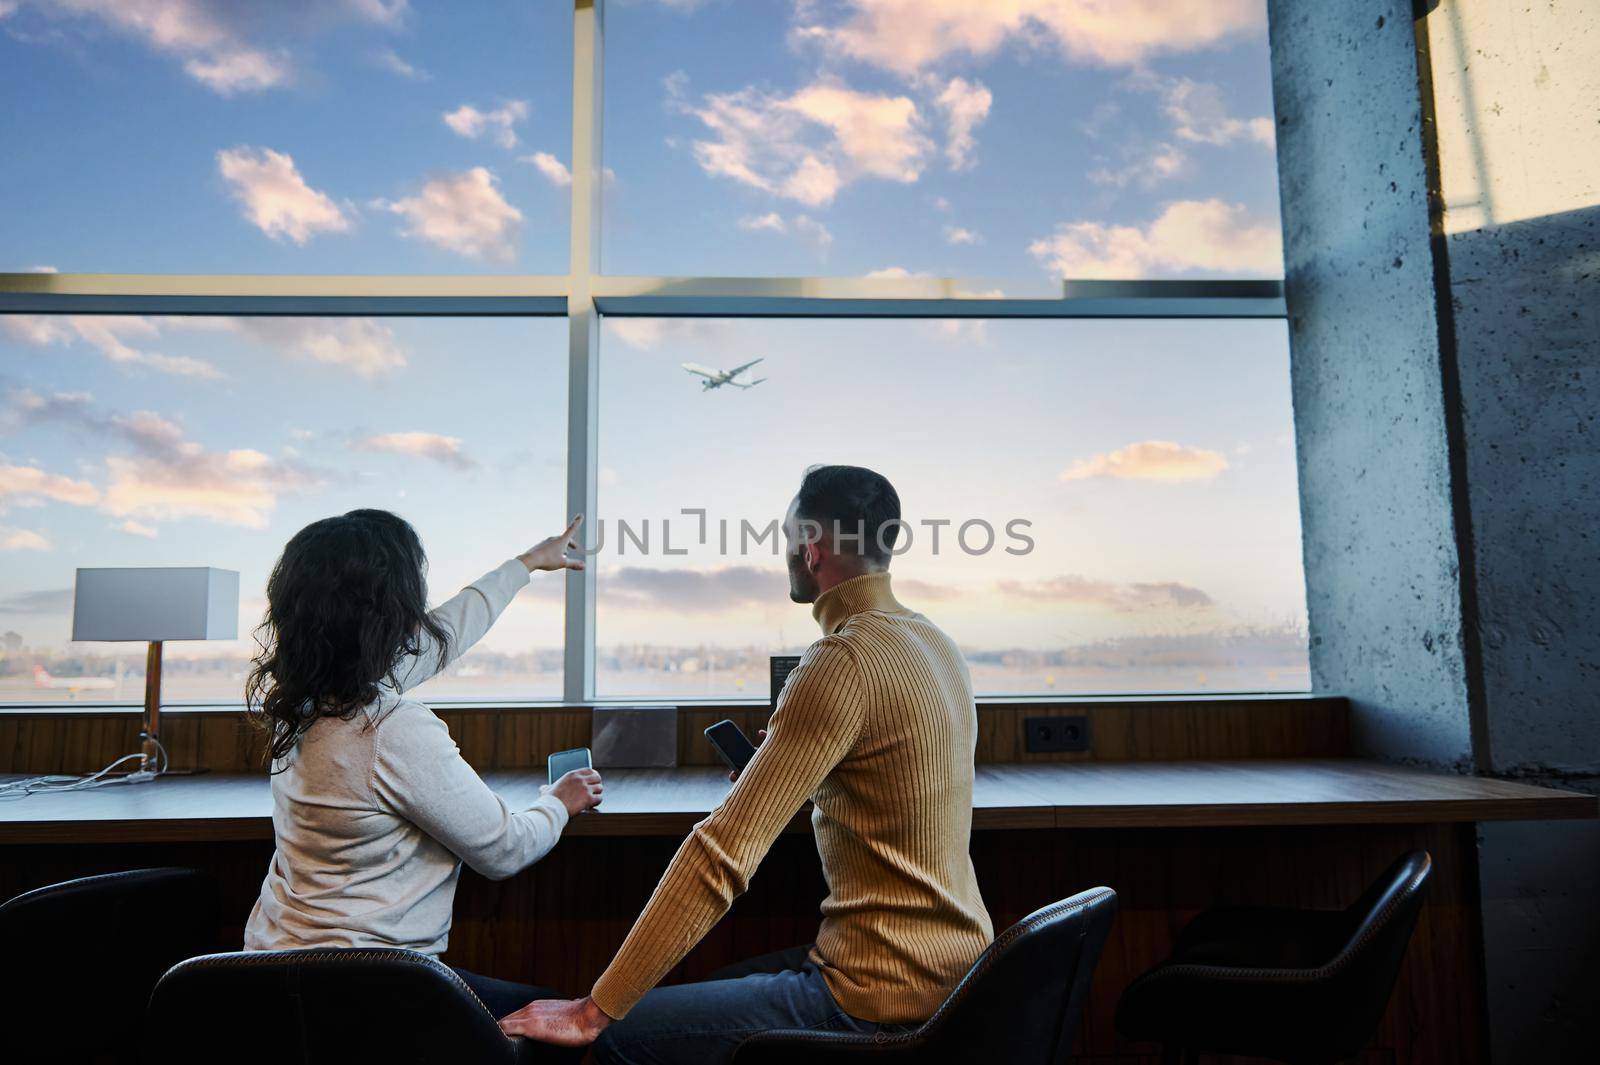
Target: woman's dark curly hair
345, 602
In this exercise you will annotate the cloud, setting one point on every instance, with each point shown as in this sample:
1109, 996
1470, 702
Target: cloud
1111, 595
1148, 166
239, 71
390, 60
770, 221
45, 601
892, 273
163, 475
37, 329
960, 235
1150, 460
111, 335
1199, 115
202, 33
276, 199
913, 589
692, 591
1188, 236
445, 450
808, 145
463, 213
645, 334
469, 122
965, 104
556, 172
22, 540
969, 330
804, 227
237, 487
363, 345
217, 42
813, 232
907, 36
136, 528
27, 484
384, 12
553, 169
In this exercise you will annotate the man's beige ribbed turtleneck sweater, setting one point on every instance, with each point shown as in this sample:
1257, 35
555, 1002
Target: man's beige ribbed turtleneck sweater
876, 726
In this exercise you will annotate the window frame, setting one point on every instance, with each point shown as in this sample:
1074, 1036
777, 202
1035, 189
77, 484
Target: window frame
586, 294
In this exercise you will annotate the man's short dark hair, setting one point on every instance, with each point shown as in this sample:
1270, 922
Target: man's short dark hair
855, 503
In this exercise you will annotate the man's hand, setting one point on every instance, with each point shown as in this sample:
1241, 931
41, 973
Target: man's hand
761, 736
578, 790
565, 1022
552, 553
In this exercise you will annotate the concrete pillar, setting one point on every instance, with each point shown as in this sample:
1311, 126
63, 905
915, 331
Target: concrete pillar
1516, 96
1382, 566
1441, 206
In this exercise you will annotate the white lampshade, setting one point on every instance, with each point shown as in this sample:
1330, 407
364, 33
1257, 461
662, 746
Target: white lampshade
156, 603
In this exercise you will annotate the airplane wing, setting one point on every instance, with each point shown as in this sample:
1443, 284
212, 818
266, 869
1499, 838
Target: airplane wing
737, 370
749, 384
696, 368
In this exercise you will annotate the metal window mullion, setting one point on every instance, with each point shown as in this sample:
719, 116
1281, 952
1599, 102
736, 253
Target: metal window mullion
583, 332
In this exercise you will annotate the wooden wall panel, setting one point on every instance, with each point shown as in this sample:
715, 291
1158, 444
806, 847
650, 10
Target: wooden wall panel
520, 738
560, 922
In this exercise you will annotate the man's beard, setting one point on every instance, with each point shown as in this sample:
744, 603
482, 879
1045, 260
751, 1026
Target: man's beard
802, 584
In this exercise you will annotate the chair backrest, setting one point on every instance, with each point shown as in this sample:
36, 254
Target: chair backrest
97, 944
324, 1006
1021, 1000
1379, 925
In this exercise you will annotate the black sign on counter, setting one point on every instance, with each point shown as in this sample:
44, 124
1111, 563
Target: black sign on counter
782, 666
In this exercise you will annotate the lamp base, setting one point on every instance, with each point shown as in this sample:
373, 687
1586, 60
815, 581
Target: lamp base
152, 756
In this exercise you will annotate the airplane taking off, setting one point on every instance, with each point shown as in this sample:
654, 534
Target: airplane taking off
73, 685
718, 378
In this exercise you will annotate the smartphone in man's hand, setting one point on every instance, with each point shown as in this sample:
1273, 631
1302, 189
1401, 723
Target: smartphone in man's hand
732, 744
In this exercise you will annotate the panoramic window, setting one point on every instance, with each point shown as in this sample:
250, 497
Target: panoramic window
1094, 506
337, 138
851, 137
143, 441
852, 218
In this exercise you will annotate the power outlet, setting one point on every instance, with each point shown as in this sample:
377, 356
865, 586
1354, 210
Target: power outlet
1043, 735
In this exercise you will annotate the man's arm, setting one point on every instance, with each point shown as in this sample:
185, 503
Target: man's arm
818, 719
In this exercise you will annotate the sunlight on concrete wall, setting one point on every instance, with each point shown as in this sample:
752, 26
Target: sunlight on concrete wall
1517, 98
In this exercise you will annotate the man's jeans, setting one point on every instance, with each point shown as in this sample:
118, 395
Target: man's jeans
701, 1024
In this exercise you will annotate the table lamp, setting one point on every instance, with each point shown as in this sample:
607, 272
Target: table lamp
155, 604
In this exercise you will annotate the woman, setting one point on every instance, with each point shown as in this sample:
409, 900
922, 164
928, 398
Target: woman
373, 808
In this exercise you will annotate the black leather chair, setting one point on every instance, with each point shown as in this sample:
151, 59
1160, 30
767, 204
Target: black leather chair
1302, 986
81, 957
1019, 1003
322, 1007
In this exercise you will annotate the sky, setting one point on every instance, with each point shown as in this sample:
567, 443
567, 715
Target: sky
1019, 142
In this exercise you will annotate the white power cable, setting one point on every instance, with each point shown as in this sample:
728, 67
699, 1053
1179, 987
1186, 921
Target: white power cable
21, 789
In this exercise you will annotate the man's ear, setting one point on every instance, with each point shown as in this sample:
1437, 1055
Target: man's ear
813, 556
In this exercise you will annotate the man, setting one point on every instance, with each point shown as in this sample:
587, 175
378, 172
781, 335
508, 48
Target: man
877, 727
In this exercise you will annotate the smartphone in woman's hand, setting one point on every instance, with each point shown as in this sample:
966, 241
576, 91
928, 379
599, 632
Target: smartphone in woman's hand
563, 762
